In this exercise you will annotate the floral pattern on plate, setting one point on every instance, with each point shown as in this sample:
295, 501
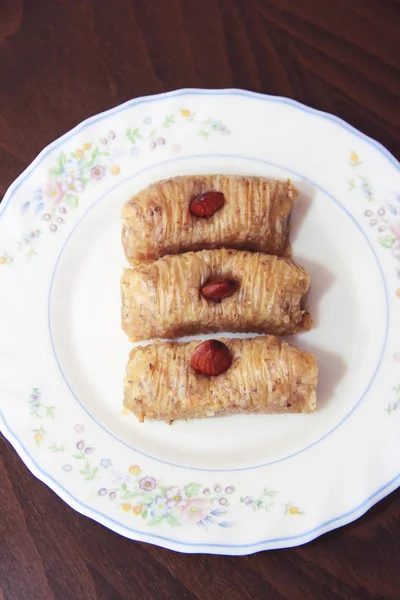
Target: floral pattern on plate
140, 494
394, 404
382, 216
63, 191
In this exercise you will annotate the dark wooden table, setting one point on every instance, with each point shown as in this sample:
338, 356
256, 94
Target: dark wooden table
64, 60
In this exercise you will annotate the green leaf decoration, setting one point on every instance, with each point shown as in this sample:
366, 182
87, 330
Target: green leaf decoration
95, 154
50, 411
205, 134
54, 448
62, 160
89, 473
268, 492
130, 495
192, 489
169, 120
172, 519
56, 171
150, 497
387, 241
134, 134
351, 184
71, 201
155, 521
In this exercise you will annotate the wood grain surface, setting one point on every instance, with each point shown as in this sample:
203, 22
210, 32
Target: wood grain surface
62, 61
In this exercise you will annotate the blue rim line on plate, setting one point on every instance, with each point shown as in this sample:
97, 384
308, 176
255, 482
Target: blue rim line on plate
228, 156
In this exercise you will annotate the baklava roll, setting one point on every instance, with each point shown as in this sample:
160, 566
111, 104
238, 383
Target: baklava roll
214, 290
197, 212
165, 381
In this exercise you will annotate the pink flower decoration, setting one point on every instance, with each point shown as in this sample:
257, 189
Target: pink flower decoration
195, 510
97, 172
175, 497
73, 185
395, 229
52, 191
79, 428
147, 483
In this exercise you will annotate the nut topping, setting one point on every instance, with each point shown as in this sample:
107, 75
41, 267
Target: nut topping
211, 357
218, 290
206, 204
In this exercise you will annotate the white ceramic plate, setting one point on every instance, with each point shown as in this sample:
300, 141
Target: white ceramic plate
233, 485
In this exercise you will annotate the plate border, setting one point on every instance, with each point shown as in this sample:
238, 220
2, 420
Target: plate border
200, 547
192, 92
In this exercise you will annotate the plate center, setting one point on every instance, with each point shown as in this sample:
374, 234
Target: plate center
347, 290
